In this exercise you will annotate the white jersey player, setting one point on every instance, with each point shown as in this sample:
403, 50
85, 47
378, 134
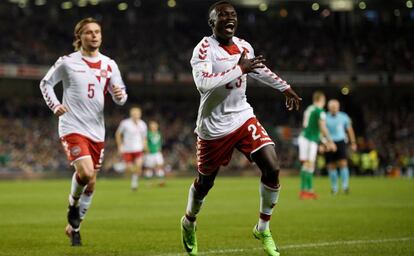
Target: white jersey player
226, 121
87, 75
222, 86
131, 139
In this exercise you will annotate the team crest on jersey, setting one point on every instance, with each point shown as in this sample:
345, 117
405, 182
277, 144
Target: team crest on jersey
104, 73
75, 151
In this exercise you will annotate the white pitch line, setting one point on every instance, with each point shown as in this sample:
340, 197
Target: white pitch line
298, 246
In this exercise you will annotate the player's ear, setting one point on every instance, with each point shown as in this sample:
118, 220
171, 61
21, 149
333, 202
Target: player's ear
211, 23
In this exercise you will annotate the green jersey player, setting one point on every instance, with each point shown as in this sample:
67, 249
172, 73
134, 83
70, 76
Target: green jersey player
154, 160
314, 125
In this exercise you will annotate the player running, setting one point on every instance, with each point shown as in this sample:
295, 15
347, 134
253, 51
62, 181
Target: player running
314, 125
87, 75
131, 139
339, 126
154, 161
226, 121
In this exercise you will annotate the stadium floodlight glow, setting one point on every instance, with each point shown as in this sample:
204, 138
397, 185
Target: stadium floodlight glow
345, 90
82, 3
315, 6
40, 2
122, 6
94, 2
263, 7
171, 3
66, 5
22, 3
409, 4
362, 5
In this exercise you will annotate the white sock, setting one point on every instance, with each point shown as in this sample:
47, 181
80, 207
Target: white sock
76, 190
194, 202
134, 181
84, 204
268, 200
262, 225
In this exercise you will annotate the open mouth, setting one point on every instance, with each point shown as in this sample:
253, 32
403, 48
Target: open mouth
229, 27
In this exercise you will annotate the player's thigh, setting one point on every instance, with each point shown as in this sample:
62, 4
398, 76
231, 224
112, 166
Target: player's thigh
266, 158
211, 154
254, 138
342, 163
303, 144
331, 165
150, 161
331, 159
159, 159
138, 162
342, 154
308, 150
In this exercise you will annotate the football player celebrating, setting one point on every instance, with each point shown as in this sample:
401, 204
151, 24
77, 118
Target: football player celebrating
221, 63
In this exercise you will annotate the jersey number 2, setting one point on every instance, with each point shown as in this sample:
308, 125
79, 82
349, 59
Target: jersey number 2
91, 90
256, 134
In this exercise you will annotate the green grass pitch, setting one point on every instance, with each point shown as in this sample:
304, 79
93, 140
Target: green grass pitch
377, 218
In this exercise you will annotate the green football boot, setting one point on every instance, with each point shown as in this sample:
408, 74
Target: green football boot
266, 238
189, 239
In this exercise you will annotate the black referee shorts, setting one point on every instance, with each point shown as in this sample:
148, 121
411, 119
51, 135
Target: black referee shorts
339, 154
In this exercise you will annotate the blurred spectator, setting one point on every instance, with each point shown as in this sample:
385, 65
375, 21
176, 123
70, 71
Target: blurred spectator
161, 39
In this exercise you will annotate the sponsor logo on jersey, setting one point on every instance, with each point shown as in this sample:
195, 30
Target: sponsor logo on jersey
79, 71
222, 59
75, 151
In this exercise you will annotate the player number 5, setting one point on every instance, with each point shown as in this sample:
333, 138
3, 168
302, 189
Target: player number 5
91, 90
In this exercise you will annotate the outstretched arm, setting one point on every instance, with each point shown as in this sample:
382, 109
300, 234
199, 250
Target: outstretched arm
266, 76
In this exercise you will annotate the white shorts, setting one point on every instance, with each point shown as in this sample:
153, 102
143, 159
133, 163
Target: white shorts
153, 160
307, 149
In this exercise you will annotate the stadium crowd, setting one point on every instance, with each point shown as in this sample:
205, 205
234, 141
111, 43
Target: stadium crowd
152, 39
29, 140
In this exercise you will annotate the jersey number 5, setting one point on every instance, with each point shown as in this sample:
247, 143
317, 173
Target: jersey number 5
254, 130
91, 90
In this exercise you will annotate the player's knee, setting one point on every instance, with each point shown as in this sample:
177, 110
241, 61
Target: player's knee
310, 165
342, 163
86, 174
331, 166
270, 177
203, 185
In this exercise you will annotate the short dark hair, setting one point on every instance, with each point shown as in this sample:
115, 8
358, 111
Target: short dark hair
213, 6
